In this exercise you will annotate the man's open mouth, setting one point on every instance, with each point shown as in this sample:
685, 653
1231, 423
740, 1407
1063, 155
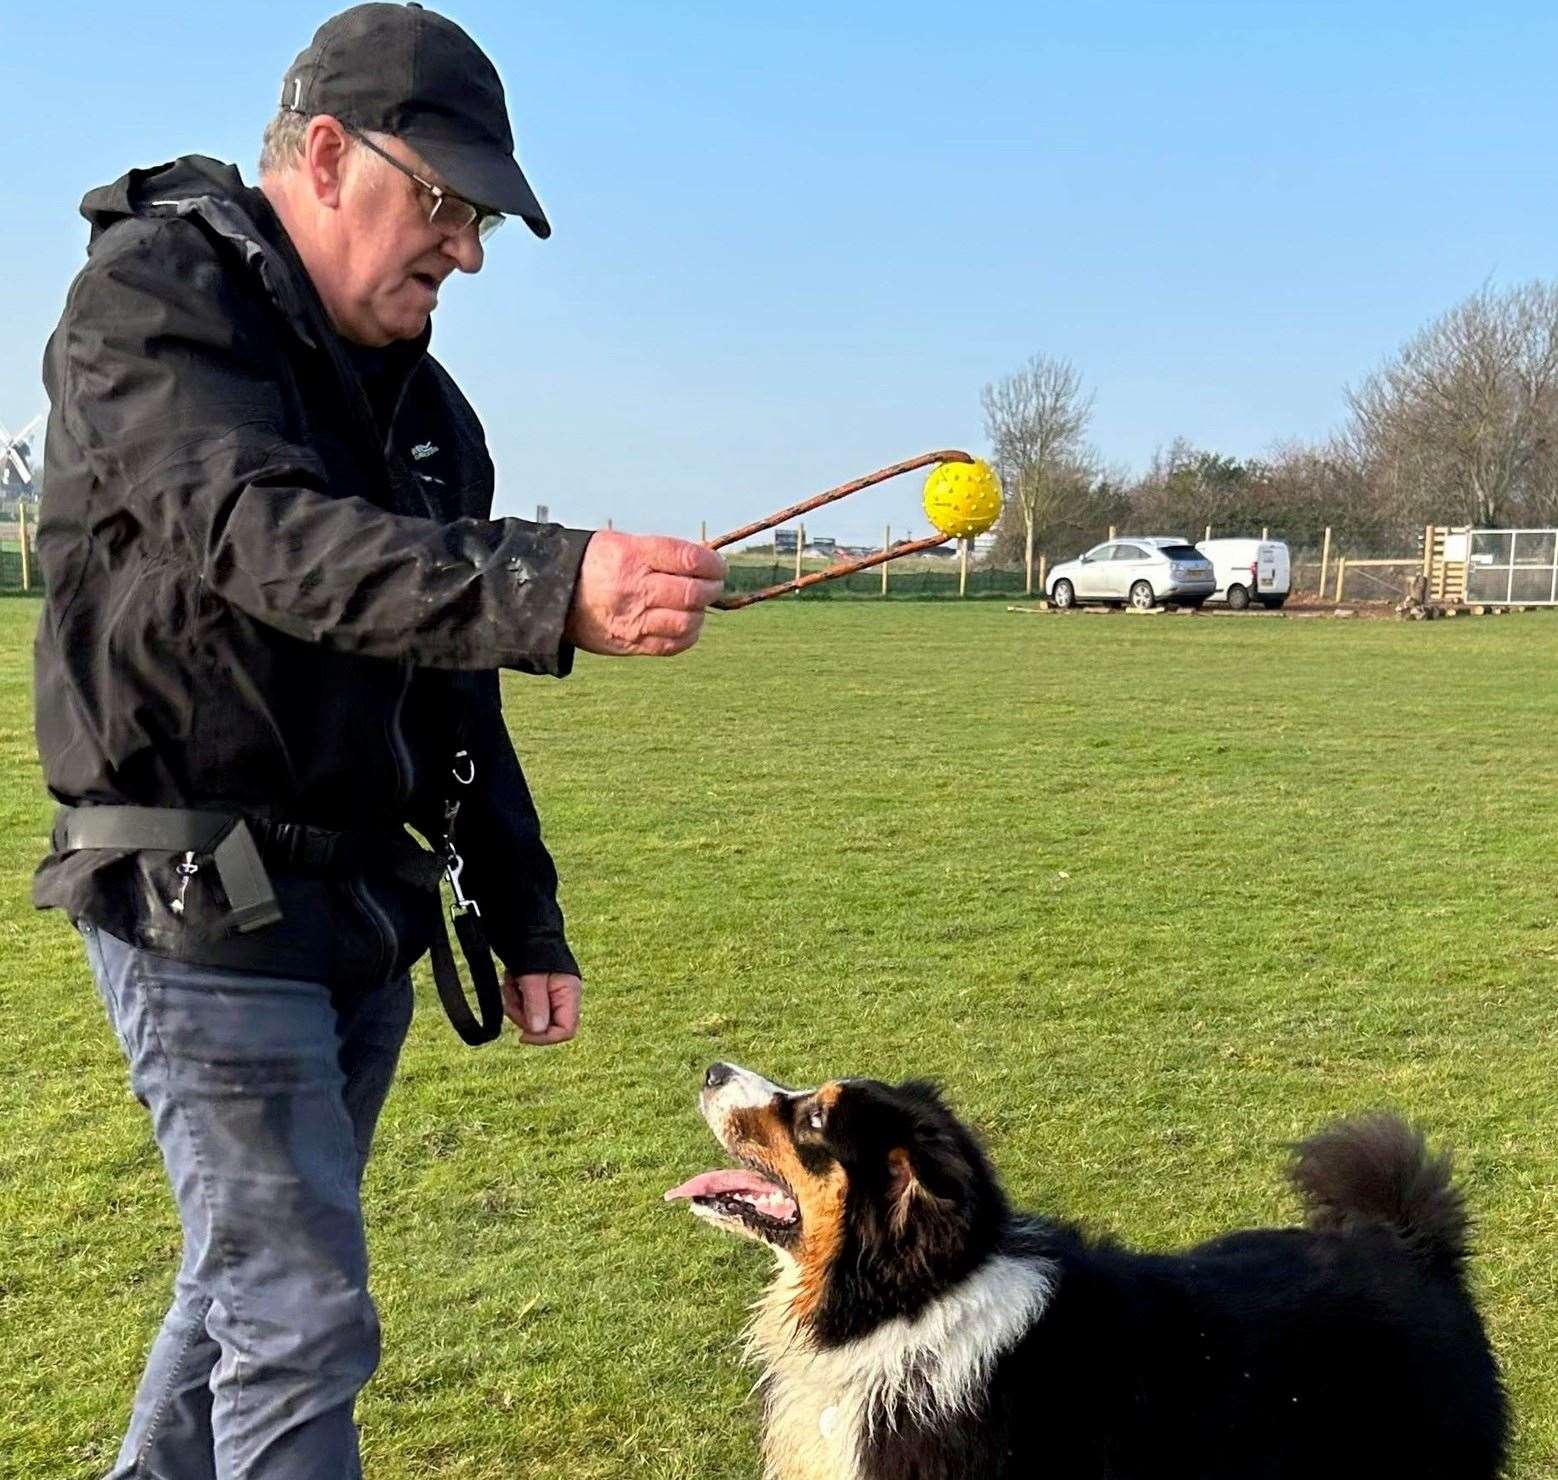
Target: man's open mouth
755, 1202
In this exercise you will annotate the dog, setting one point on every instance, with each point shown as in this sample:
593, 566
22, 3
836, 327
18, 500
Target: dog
918, 1329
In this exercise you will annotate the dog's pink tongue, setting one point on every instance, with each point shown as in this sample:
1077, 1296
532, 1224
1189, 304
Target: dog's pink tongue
712, 1184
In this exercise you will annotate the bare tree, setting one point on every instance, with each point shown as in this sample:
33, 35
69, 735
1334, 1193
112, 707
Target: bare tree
1085, 499
1464, 419
1036, 421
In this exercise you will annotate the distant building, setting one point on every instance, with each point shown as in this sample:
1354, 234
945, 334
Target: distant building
16, 473
18, 479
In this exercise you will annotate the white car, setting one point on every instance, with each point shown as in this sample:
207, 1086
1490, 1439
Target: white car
1250, 570
1140, 569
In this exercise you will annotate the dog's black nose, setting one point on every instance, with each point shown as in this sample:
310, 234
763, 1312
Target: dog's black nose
717, 1075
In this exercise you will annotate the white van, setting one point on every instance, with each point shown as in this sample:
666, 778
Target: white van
1249, 570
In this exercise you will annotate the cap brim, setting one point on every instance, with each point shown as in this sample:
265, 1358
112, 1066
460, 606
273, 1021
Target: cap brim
485, 176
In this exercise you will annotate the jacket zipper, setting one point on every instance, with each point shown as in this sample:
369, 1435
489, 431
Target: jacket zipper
357, 886
318, 335
405, 762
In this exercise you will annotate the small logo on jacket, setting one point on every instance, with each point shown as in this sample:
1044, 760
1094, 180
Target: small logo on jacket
423, 450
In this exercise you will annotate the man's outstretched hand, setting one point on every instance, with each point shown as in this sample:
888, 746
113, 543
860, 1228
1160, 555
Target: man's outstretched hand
543, 1005
642, 594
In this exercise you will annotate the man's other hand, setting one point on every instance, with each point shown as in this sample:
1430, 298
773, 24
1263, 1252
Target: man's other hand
543, 1005
642, 594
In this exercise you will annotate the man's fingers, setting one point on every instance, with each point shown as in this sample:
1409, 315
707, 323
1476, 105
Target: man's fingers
673, 626
535, 1005
680, 593
544, 1006
566, 992
661, 647
642, 594
681, 557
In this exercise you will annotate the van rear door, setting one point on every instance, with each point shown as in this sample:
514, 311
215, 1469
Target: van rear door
1272, 574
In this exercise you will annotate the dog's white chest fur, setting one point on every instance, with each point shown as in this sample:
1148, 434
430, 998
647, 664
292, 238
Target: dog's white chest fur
822, 1404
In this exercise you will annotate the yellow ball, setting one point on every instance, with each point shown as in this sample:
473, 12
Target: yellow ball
963, 499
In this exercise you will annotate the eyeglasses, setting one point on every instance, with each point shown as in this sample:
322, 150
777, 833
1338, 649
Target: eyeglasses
449, 213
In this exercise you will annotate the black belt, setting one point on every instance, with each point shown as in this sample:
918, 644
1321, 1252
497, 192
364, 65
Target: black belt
238, 847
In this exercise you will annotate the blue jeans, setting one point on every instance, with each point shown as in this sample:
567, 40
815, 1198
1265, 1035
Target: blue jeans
263, 1093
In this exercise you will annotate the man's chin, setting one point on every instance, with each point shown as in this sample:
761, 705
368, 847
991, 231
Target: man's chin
385, 332
413, 329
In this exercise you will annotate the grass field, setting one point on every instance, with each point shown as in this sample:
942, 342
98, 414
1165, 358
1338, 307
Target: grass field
1152, 898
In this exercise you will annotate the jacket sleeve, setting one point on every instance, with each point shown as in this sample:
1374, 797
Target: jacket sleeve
508, 869
177, 392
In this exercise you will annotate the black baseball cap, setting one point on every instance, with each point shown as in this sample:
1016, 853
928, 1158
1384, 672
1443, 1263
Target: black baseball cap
407, 71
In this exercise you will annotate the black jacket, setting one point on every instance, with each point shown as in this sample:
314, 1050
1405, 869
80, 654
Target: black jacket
277, 589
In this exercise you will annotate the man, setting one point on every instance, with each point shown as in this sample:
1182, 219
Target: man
276, 609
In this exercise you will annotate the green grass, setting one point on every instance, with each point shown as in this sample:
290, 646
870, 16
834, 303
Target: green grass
1152, 898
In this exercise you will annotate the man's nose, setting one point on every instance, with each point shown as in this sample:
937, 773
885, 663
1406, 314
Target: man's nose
466, 249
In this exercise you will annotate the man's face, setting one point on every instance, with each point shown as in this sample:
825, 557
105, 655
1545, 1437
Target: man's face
390, 260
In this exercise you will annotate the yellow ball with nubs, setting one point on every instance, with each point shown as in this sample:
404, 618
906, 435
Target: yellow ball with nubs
963, 499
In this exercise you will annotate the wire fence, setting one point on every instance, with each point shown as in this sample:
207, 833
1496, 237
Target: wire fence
1521, 565
918, 580
1372, 570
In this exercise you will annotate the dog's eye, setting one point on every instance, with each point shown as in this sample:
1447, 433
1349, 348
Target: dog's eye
814, 1120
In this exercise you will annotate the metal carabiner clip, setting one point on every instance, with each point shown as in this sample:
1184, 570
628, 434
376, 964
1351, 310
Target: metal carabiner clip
454, 866
464, 773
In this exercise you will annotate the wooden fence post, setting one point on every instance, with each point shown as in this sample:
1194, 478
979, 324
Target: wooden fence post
1111, 531
1208, 533
1265, 531
963, 567
800, 545
1325, 560
1428, 552
1043, 568
887, 544
21, 526
1027, 564
1341, 577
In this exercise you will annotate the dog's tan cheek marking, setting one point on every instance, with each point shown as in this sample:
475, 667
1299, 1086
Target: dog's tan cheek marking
749, 1127
822, 1236
821, 1201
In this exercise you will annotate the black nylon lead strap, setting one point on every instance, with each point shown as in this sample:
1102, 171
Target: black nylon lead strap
484, 977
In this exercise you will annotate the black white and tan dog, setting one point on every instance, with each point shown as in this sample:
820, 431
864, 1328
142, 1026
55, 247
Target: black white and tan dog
918, 1329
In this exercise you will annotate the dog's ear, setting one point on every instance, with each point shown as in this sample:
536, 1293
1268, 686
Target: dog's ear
907, 1195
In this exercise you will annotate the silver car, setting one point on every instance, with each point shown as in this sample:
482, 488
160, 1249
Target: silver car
1140, 569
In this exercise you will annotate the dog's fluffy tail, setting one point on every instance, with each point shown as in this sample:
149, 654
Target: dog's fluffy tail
1377, 1169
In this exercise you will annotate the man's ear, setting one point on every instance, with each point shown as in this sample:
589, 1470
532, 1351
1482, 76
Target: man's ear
325, 147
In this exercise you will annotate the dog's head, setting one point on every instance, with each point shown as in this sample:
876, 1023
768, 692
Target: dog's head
879, 1195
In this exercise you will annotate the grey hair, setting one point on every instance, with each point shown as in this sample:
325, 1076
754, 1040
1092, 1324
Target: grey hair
281, 145
282, 142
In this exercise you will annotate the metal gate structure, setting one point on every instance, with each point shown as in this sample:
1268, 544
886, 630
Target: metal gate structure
1512, 567
1494, 567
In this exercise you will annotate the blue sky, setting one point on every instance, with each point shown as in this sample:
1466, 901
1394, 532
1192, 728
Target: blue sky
793, 242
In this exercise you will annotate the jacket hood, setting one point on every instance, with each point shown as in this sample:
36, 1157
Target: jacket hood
215, 193
181, 181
